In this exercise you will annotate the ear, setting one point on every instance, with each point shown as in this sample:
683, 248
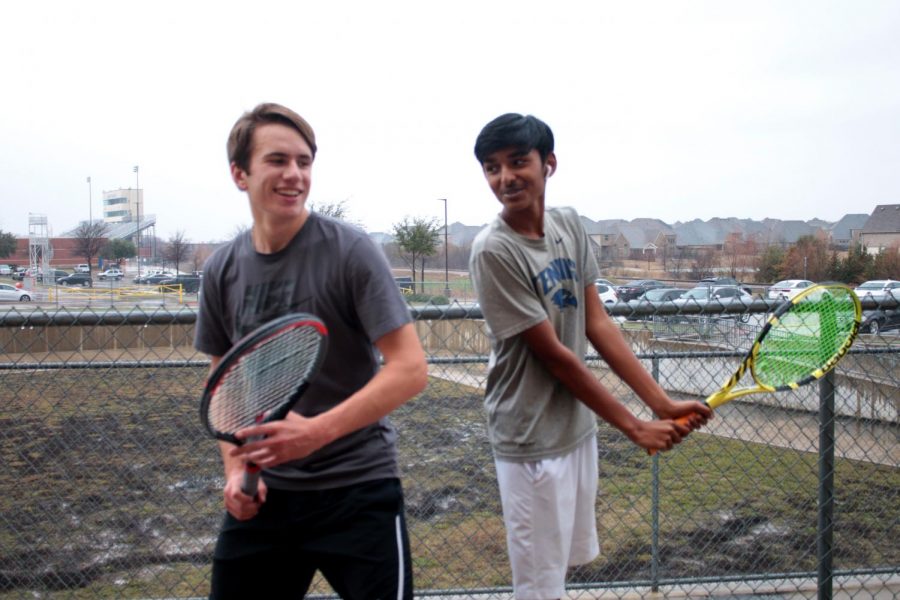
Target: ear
550, 165
239, 177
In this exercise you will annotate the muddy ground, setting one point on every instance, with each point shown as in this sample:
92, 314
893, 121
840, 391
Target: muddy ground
112, 489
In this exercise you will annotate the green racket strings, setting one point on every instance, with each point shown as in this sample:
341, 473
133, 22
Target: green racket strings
808, 338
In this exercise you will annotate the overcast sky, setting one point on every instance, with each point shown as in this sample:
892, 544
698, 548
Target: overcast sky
671, 110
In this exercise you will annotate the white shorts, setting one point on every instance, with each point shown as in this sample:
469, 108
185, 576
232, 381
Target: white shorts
549, 513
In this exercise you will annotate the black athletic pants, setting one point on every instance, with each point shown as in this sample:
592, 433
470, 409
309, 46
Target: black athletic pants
356, 536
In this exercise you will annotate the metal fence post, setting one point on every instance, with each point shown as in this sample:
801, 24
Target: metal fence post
826, 487
654, 541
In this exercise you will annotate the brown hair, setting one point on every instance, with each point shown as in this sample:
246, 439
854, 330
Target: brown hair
240, 140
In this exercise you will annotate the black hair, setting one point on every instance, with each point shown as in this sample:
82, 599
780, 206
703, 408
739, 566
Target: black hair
524, 132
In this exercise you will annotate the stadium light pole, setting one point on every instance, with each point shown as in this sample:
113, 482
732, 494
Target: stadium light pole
90, 201
446, 263
137, 198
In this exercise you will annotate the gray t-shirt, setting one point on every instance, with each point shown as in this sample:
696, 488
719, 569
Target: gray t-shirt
335, 272
520, 283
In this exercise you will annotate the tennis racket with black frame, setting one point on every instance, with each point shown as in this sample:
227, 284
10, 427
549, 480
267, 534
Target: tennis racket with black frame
261, 377
802, 340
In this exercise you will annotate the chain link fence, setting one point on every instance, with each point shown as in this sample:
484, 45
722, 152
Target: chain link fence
113, 490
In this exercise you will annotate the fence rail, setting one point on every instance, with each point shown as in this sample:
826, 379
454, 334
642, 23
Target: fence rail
113, 488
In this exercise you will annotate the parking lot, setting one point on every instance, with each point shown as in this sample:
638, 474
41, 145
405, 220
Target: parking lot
109, 292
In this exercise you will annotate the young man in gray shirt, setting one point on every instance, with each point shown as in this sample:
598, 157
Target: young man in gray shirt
533, 270
330, 496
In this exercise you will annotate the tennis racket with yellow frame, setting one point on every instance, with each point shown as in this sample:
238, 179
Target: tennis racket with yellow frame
802, 340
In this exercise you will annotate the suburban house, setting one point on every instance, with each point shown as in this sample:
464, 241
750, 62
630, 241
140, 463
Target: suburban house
881, 230
843, 231
719, 233
639, 239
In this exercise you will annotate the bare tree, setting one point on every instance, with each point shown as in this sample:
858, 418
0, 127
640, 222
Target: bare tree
703, 263
90, 238
239, 230
336, 210
731, 251
177, 249
681, 255
200, 254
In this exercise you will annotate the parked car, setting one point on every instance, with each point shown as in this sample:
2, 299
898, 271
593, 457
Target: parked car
724, 281
29, 272
787, 289
665, 294
82, 279
659, 295
158, 278
52, 276
719, 295
601, 281
714, 292
114, 274
18, 273
157, 275
10, 293
880, 319
607, 293
632, 290
720, 281
83, 268
879, 289
5, 270
190, 284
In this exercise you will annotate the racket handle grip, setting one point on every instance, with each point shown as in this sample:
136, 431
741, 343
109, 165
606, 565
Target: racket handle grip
251, 479
251, 473
681, 421
685, 420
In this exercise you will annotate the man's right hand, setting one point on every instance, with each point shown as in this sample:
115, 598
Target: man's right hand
656, 436
241, 506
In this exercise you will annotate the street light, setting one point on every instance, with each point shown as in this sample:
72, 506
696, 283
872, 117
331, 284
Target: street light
90, 201
446, 264
137, 192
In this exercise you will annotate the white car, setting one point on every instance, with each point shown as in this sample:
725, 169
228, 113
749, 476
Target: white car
115, 274
718, 296
879, 289
608, 295
787, 289
82, 268
11, 293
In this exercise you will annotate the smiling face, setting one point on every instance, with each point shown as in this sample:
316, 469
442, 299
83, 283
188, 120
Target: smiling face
278, 177
518, 180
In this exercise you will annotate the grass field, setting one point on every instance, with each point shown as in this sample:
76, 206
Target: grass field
113, 490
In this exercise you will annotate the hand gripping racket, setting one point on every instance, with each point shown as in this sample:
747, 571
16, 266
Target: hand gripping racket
261, 378
802, 340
